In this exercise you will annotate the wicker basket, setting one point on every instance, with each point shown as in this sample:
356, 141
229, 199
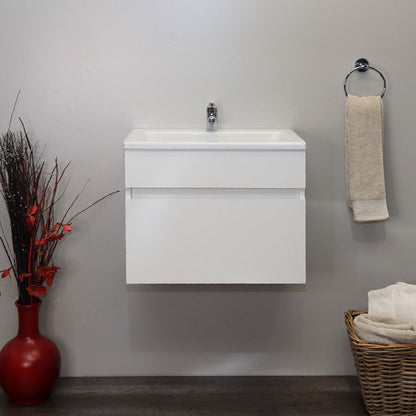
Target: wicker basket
387, 373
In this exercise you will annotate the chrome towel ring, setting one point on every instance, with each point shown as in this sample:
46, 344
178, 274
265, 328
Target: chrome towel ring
362, 65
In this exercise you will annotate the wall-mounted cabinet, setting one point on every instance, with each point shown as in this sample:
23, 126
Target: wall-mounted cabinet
215, 207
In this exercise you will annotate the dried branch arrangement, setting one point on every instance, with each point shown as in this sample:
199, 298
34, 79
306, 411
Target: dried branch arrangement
31, 194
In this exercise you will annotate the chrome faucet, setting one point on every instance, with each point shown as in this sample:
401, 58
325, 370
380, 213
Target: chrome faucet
212, 123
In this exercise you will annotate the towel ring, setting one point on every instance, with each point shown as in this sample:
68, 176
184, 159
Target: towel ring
362, 65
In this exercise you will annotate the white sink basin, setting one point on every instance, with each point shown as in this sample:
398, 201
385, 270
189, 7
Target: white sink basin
220, 139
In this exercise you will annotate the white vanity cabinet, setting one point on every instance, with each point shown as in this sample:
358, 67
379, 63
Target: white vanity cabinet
215, 207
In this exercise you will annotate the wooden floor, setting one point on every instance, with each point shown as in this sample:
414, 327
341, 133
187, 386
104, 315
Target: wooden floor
185, 396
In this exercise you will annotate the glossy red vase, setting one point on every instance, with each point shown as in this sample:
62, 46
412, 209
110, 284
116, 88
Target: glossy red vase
30, 362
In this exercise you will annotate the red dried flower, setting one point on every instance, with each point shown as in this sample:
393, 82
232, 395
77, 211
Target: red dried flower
5, 273
31, 219
54, 237
48, 272
49, 238
32, 210
67, 228
37, 290
23, 276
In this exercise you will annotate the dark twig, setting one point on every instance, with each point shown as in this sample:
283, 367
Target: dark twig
14, 108
94, 203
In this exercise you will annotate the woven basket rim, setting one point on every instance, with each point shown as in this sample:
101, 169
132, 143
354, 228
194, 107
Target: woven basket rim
349, 321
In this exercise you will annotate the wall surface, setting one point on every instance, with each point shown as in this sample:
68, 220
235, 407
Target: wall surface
90, 71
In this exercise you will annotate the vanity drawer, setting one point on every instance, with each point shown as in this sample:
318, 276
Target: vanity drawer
190, 168
215, 236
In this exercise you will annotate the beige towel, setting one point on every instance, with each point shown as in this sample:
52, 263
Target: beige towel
386, 330
398, 301
365, 188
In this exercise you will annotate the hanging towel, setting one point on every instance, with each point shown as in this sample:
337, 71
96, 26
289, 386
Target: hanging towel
397, 300
365, 188
386, 330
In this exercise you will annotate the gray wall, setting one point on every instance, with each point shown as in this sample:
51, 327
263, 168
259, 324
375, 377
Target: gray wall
92, 70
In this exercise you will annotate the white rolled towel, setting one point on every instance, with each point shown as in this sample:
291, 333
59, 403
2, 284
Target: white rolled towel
398, 300
387, 330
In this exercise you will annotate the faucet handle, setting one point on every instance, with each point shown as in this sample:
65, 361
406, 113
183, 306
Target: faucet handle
212, 117
212, 109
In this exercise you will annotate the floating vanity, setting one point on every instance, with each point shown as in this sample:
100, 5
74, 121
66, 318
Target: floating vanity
225, 206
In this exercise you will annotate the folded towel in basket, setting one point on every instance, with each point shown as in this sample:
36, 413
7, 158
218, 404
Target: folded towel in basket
398, 300
387, 330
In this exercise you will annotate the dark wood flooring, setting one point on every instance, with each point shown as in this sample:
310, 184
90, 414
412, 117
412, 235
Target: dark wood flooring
186, 396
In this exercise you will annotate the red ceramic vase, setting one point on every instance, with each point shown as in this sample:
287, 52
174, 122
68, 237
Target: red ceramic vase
30, 362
